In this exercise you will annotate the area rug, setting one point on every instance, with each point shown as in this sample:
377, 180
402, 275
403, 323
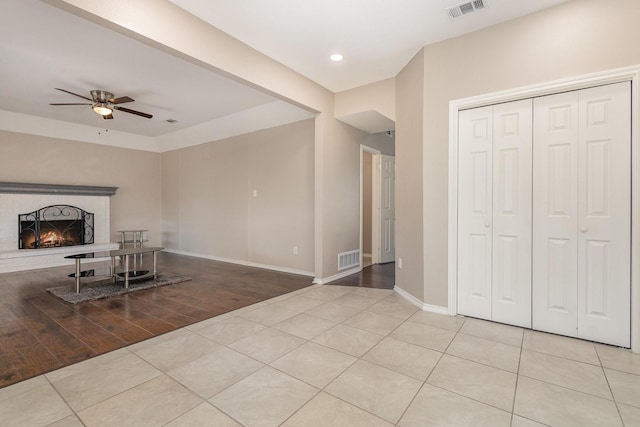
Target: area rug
104, 288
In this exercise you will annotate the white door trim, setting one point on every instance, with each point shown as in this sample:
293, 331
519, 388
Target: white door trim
375, 192
580, 82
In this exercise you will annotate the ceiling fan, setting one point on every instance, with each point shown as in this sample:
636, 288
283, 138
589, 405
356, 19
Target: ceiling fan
103, 103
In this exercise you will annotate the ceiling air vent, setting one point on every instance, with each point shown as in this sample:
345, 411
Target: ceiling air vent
465, 8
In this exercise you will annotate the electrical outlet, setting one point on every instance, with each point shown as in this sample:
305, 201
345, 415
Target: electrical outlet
399, 262
255, 193
295, 250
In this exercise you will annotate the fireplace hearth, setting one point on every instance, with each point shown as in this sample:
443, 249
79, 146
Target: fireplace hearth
55, 226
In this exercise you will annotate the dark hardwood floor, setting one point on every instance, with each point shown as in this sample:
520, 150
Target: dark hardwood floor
40, 333
375, 276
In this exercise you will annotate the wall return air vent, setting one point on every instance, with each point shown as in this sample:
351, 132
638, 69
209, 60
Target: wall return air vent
465, 8
348, 259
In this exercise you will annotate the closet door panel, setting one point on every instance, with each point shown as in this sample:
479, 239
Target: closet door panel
474, 212
512, 158
555, 213
604, 257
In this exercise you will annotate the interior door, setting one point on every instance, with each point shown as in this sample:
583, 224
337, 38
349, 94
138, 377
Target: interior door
604, 214
511, 253
555, 214
475, 135
387, 209
582, 208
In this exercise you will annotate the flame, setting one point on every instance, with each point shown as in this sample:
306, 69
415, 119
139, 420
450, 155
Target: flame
50, 237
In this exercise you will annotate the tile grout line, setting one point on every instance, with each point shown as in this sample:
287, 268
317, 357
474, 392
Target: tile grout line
319, 390
407, 320
356, 359
613, 396
161, 373
461, 395
425, 381
73, 412
515, 389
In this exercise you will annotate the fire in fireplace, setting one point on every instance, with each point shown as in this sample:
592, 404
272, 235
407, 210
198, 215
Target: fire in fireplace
54, 226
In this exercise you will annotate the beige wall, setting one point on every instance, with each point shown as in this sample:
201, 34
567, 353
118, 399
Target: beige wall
382, 142
281, 216
213, 199
136, 204
208, 203
409, 164
574, 38
379, 96
341, 188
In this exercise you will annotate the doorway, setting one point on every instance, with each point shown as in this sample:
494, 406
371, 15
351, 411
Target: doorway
377, 207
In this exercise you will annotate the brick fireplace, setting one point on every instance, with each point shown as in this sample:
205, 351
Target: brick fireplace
16, 199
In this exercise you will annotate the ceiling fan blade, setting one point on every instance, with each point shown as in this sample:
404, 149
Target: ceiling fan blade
75, 94
71, 104
121, 100
137, 113
109, 116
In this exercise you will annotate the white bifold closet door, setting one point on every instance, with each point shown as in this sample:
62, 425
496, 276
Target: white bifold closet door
494, 212
581, 214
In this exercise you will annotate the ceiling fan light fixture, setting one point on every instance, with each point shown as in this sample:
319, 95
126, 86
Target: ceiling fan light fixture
102, 108
103, 103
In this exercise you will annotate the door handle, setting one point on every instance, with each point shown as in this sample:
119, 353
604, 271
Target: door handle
487, 224
584, 229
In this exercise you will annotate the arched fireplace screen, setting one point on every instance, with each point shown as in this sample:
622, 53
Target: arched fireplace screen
54, 226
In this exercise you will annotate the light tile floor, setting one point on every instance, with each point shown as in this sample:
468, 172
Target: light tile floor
338, 356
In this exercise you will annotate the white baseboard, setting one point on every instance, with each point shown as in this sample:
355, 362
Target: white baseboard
423, 306
241, 262
406, 295
326, 280
436, 309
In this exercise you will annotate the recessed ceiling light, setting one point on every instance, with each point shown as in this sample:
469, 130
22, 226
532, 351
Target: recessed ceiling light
336, 57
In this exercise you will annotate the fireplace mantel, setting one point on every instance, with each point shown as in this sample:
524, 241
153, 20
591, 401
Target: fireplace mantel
77, 190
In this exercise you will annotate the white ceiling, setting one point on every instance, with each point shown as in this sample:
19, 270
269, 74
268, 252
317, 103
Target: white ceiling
42, 47
376, 37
